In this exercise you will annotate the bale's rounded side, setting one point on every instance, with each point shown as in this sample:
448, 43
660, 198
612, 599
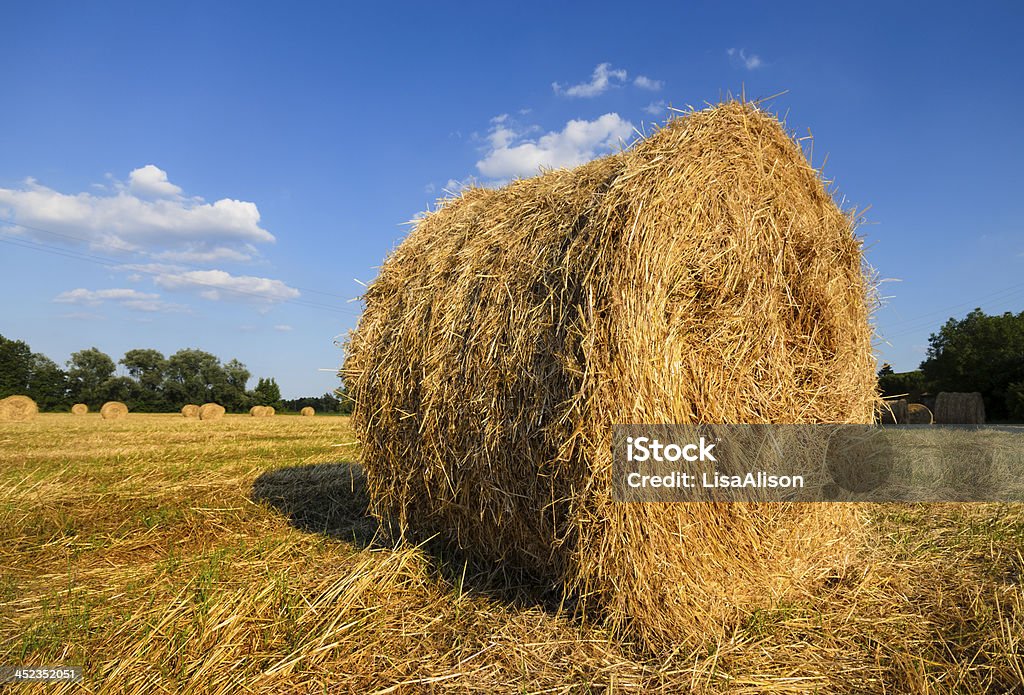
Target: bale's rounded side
959, 408
307, 412
704, 276
80, 409
258, 411
191, 410
18, 409
211, 411
270, 411
892, 412
113, 410
918, 414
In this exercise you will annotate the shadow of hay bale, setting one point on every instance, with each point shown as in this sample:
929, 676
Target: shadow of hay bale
325, 498
331, 499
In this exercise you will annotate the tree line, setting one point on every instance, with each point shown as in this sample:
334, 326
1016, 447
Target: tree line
154, 383
980, 353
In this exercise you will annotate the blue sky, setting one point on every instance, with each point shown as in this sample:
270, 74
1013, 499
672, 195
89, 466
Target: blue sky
220, 177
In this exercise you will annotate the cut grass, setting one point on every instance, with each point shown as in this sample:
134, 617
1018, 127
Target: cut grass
164, 554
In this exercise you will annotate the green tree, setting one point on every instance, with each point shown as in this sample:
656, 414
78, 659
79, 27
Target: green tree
978, 353
266, 392
15, 367
88, 372
231, 390
190, 377
146, 367
48, 384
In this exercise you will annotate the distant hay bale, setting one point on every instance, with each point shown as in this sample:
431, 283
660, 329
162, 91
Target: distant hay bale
270, 411
18, 409
113, 410
307, 412
211, 411
893, 412
190, 410
79, 409
959, 408
918, 414
704, 276
259, 411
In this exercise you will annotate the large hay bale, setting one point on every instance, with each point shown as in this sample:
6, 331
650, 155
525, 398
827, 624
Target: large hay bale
113, 410
259, 411
80, 409
211, 411
307, 412
959, 409
705, 276
892, 412
918, 414
18, 409
190, 410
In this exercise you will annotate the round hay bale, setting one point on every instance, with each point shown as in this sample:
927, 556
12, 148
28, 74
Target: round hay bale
79, 409
704, 276
307, 412
113, 410
18, 409
190, 410
259, 411
918, 414
892, 412
959, 409
270, 411
211, 411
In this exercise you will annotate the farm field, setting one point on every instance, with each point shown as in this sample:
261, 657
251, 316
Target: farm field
172, 555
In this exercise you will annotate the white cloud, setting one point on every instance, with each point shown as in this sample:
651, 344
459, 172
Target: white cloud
644, 82
128, 298
146, 215
511, 155
151, 180
216, 285
656, 108
282, 327
196, 254
602, 79
740, 57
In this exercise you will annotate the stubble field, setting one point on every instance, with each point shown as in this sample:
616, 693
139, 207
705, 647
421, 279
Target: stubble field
171, 555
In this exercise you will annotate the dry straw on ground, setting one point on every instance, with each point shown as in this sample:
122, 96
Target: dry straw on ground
706, 275
18, 408
190, 410
918, 414
113, 410
307, 412
959, 409
211, 411
80, 409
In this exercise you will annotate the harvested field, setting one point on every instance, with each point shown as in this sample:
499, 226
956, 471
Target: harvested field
239, 557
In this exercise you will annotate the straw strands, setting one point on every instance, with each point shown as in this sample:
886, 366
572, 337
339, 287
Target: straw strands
114, 410
704, 276
18, 409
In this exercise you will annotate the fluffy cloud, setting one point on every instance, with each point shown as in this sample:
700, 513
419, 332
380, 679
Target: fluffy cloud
740, 57
511, 154
151, 180
644, 82
282, 328
602, 79
656, 108
147, 214
218, 284
128, 298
